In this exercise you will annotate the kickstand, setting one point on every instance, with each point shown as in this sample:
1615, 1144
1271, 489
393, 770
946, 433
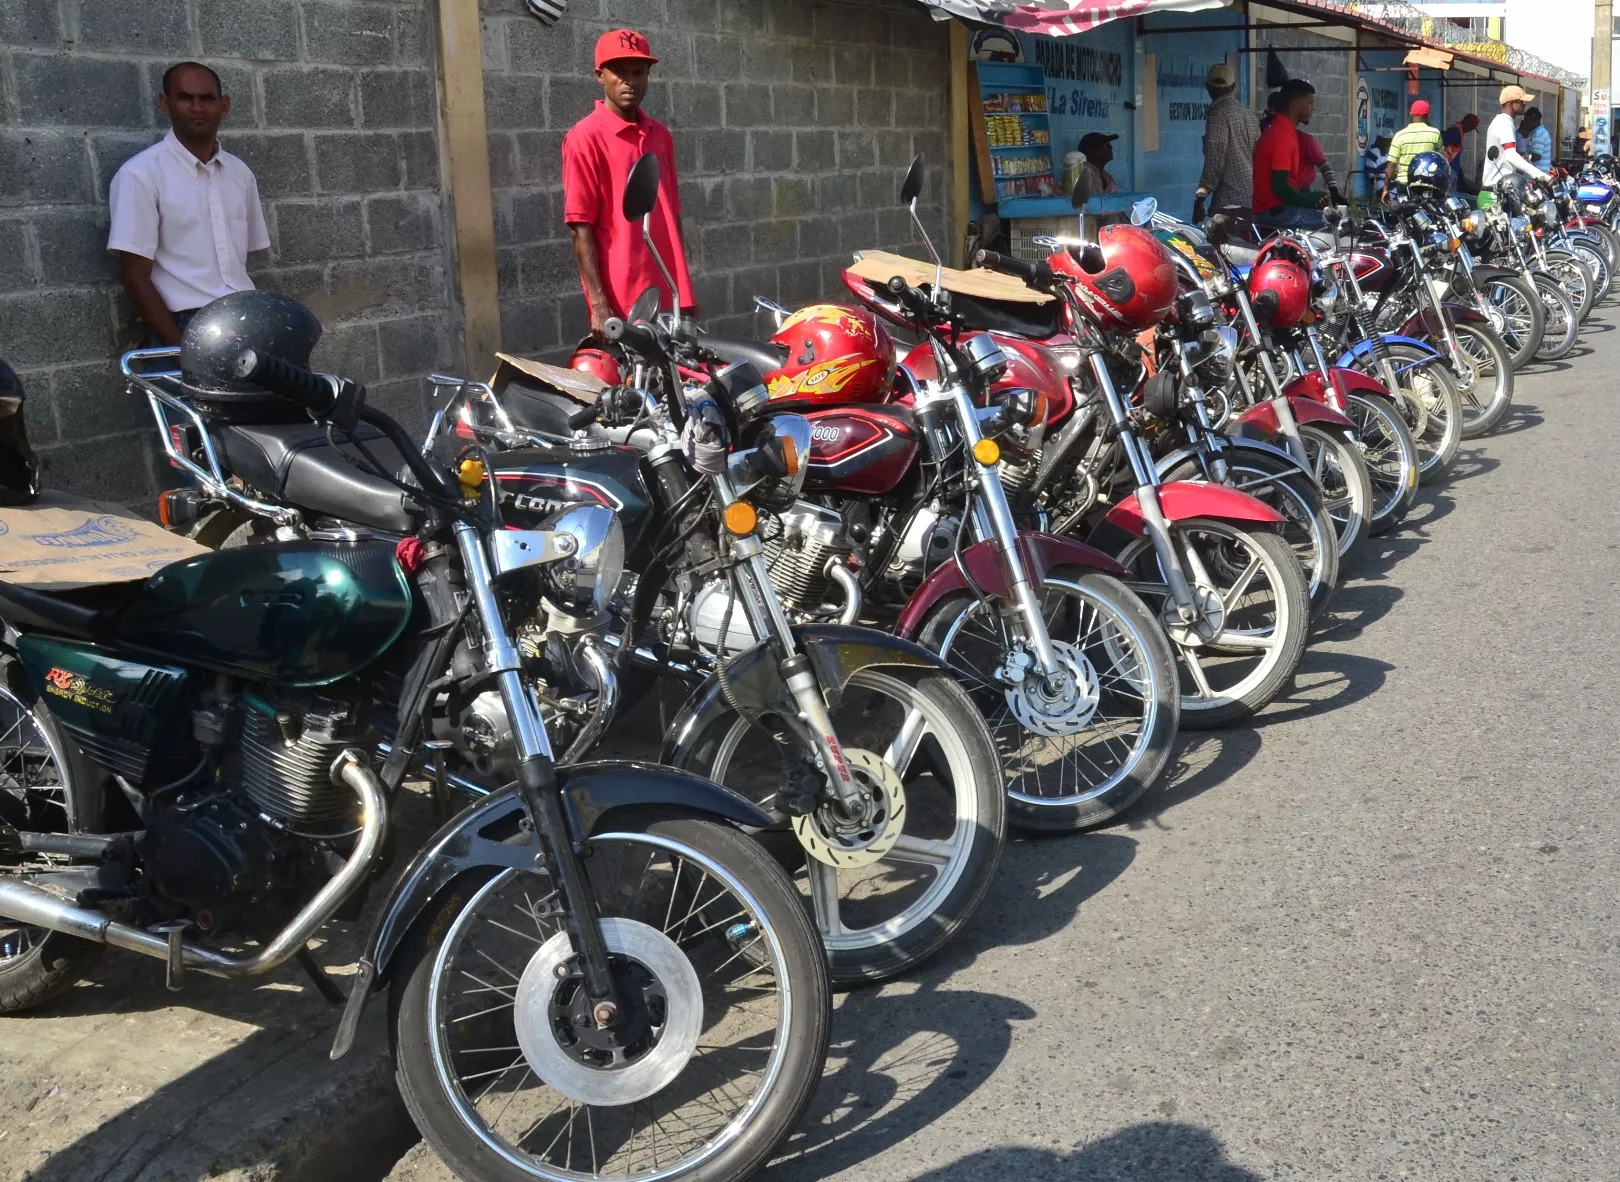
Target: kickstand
327, 986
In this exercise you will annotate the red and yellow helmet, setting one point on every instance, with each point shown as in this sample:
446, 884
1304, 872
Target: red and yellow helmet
835, 355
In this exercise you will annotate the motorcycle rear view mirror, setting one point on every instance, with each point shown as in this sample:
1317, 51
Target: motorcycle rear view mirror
1493, 153
1142, 211
640, 198
911, 187
910, 190
645, 307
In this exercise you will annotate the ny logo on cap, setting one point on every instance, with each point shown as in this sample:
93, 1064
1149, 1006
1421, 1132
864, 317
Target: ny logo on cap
634, 42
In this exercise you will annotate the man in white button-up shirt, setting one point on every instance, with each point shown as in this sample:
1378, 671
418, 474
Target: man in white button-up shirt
185, 212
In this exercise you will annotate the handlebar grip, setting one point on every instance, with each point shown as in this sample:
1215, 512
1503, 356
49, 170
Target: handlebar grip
312, 391
582, 418
1034, 274
637, 337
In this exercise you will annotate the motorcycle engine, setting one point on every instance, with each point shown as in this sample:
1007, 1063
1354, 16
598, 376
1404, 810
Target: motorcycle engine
812, 536
928, 541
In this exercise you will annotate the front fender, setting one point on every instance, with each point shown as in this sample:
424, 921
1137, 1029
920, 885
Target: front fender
489, 835
1040, 553
1484, 272
1182, 500
836, 653
1364, 348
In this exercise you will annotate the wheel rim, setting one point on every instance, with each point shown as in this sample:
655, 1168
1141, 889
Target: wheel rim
1338, 496
1094, 757
1381, 450
31, 780
1299, 528
1255, 615
1489, 377
701, 916
1517, 316
1427, 410
862, 907
1560, 327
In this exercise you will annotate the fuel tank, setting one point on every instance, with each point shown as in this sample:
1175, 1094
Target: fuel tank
1372, 267
1029, 364
860, 449
294, 613
535, 482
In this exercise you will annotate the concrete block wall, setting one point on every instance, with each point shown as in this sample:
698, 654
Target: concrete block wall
1329, 71
793, 120
333, 106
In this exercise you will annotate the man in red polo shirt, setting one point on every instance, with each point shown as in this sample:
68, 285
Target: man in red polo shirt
615, 265
1278, 202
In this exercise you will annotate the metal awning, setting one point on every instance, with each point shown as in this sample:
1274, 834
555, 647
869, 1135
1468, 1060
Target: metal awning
1059, 18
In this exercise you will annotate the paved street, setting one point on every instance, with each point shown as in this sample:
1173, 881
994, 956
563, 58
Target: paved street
1371, 937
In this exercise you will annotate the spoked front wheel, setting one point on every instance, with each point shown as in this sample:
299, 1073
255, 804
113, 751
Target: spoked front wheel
720, 1044
1487, 388
887, 894
1250, 621
1559, 312
1346, 485
1078, 754
1430, 403
1391, 457
1517, 316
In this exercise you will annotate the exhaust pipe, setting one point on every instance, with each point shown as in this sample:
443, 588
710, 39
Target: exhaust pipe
840, 574
37, 908
599, 662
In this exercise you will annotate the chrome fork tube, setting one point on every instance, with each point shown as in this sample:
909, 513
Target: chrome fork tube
1147, 494
528, 729
1279, 401
993, 515
764, 610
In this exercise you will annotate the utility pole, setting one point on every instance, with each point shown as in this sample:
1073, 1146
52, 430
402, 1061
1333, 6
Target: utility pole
1602, 44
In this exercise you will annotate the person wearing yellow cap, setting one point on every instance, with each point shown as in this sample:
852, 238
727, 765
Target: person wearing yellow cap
1503, 136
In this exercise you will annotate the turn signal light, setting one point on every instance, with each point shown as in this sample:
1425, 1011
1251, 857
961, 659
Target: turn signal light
987, 452
790, 456
741, 518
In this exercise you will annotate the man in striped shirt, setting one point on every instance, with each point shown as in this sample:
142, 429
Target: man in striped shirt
1413, 140
1230, 133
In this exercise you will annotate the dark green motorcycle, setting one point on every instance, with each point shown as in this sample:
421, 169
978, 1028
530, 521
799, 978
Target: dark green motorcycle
590, 971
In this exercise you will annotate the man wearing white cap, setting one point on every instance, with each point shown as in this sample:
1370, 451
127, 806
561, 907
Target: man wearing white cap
1503, 135
1230, 132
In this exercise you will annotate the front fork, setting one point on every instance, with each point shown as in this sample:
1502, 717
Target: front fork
1279, 401
537, 782
763, 608
1147, 494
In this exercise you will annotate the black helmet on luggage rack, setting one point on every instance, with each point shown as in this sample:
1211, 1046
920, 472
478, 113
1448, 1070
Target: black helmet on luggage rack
269, 324
1429, 175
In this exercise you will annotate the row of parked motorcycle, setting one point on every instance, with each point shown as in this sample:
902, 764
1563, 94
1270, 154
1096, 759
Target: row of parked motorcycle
962, 553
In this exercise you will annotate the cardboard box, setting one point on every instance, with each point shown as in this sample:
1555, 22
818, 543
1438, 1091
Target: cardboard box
61, 541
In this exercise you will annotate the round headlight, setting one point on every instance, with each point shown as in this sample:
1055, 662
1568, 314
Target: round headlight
1221, 358
583, 582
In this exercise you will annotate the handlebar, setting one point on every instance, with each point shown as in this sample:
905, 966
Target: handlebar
633, 336
317, 393
1036, 275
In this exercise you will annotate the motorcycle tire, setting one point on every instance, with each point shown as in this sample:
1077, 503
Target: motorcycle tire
1487, 393
1563, 326
1591, 252
1141, 670
1204, 705
36, 965
954, 822
1341, 473
1391, 457
1524, 320
436, 1003
1575, 279
1609, 240
1430, 403
1310, 527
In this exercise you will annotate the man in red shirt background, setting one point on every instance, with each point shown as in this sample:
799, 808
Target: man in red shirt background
615, 265
1279, 203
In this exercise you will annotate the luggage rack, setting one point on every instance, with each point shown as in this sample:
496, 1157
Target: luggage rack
164, 389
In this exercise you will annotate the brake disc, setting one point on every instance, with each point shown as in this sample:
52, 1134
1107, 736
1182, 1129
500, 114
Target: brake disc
828, 838
607, 1067
1054, 714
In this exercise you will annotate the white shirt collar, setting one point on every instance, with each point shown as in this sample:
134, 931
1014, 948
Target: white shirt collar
185, 155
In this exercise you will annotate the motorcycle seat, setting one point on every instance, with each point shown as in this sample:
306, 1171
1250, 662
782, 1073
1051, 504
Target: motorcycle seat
767, 356
1021, 318
298, 464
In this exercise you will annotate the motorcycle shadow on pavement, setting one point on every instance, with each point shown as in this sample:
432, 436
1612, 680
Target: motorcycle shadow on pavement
1520, 417
1155, 1149
905, 1054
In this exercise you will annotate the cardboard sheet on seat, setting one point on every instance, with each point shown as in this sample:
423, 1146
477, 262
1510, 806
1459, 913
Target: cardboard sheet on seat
61, 542
879, 266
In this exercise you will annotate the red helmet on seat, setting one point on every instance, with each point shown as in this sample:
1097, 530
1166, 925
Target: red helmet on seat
1281, 272
599, 363
835, 355
1137, 284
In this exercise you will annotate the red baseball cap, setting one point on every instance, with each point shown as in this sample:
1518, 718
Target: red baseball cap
1420, 107
622, 44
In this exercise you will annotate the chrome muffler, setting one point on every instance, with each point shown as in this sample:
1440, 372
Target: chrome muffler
37, 908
